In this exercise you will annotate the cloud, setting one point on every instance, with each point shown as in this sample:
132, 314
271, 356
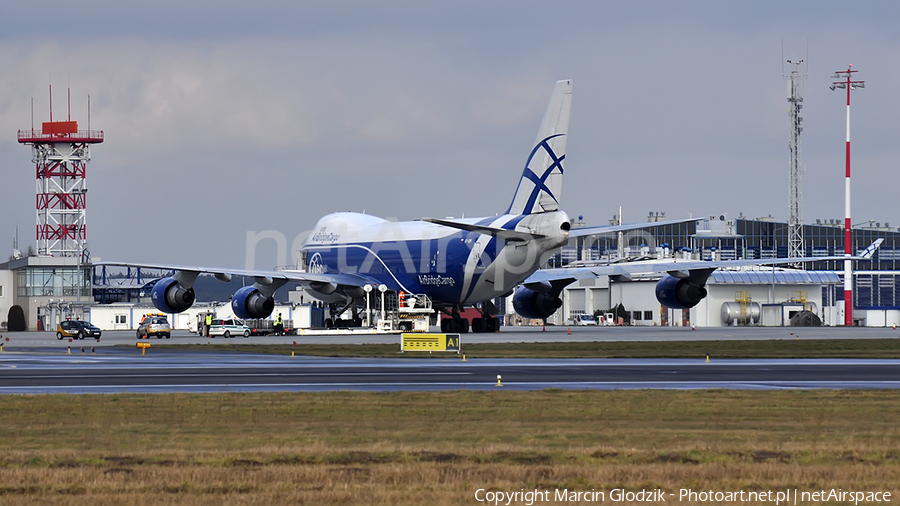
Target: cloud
224, 117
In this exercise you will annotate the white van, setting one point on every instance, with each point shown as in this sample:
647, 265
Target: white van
228, 328
584, 319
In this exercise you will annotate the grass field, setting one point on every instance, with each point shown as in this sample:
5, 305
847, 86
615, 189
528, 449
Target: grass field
438, 448
811, 348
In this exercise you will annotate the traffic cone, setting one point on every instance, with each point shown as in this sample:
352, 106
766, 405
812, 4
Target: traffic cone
570, 331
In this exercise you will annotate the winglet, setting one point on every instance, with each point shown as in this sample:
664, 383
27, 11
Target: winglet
869, 252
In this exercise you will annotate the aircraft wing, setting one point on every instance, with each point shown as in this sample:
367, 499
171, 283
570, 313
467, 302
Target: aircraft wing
265, 277
698, 270
606, 229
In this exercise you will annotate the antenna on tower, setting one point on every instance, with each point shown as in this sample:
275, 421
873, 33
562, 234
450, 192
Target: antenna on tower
60, 152
16, 254
795, 199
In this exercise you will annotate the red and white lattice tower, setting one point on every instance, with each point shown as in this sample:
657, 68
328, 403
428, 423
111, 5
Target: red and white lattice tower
60, 153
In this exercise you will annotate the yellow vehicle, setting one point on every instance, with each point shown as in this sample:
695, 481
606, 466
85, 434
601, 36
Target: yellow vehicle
155, 324
77, 329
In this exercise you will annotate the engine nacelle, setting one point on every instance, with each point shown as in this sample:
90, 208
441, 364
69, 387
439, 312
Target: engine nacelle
249, 302
169, 296
679, 293
531, 304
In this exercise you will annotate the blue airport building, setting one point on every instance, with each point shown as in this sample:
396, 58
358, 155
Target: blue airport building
817, 285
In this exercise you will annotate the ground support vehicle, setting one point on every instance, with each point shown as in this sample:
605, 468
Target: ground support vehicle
77, 329
264, 327
584, 319
228, 327
154, 325
414, 314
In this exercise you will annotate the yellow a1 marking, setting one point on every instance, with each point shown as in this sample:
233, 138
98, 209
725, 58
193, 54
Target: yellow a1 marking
429, 342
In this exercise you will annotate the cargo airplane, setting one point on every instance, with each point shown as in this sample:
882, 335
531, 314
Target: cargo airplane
457, 263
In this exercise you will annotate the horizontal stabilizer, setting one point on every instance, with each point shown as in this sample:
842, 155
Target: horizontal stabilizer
500, 233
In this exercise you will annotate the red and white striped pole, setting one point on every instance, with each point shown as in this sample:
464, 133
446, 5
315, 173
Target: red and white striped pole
849, 85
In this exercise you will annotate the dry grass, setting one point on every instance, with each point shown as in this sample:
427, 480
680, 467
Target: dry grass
437, 448
437, 484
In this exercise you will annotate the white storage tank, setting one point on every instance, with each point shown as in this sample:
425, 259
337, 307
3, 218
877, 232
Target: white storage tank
731, 313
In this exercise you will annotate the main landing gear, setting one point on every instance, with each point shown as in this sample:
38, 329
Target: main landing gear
486, 324
456, 324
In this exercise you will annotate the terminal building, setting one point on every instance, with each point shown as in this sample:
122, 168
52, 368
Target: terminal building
757, 296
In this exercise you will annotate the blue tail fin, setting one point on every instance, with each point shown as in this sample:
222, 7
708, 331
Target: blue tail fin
540, 187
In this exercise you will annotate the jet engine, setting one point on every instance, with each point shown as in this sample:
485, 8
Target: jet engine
678, 293
249, 302
170, 296
531, 304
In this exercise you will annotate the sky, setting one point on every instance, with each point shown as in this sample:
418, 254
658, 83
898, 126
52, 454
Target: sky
229, 121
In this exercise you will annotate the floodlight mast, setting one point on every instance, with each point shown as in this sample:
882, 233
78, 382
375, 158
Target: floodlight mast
846, 83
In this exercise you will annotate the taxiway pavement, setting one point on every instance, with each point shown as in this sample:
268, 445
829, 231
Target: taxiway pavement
506, 335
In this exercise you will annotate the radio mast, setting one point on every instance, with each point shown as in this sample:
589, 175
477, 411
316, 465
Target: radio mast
795, 215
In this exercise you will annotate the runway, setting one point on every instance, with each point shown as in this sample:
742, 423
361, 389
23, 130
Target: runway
36, 362
125, 370
19, 340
